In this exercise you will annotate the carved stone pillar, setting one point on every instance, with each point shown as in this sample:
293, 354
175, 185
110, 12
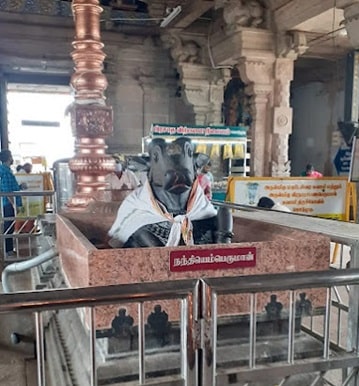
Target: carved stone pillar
204, 89
202, 86
265, 63
91, 119
282, 117
252, 51
269, 83
257, 74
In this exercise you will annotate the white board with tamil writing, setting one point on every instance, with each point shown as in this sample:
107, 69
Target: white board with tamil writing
33, 205
323, 197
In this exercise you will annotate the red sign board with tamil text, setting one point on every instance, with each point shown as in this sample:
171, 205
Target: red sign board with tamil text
204, 259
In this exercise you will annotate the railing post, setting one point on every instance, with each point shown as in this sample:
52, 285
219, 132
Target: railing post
291, 327
141, 345
189, 367
353, 313
209, 335
40, 349
93, 371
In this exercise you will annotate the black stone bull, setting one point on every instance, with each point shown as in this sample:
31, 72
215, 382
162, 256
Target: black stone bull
171, 208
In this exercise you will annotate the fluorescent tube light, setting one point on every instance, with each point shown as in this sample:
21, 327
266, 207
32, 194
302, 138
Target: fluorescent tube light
175, 12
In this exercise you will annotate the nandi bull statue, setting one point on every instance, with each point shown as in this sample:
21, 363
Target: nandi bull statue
170, 209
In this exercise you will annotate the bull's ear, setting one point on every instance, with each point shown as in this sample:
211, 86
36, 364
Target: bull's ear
155, 148
140, 163
200, 159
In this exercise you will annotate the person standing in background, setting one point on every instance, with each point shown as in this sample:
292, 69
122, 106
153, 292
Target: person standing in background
8, 183
25, 168
122, 177
267, 203
311, 172
207, 171
205, 179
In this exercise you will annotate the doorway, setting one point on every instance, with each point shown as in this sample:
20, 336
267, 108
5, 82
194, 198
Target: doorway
39, 130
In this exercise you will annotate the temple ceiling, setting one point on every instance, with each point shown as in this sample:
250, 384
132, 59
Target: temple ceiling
320, 24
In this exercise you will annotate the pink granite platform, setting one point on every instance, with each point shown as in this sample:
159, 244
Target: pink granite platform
279, 249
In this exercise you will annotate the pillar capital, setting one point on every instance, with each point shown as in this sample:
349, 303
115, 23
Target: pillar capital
239, 14
184, 48
351, 21
255, 71
291, 44
203, 88
251, 43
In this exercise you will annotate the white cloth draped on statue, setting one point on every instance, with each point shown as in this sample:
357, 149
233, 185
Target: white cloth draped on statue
128, 180
141, 208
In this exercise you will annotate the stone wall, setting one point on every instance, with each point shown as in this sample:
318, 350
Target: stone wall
316, 139
142, 90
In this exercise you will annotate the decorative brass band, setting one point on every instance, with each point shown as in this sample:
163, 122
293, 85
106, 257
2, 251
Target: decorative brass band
88, 80
92, 120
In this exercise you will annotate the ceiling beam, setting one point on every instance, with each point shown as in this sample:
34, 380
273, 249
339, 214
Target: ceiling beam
311, 70
345, 3
296, 12
326, 46
191, 12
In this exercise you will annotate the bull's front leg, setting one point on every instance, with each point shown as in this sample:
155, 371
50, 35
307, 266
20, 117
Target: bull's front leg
225, 226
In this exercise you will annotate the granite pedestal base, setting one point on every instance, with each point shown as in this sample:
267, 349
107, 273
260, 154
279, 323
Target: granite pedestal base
85, 263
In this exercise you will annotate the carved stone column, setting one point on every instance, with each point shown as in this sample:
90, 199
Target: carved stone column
268, 84
243, 42
282, 117
265, 63
257, 74
204, 89
202, 86
91, 119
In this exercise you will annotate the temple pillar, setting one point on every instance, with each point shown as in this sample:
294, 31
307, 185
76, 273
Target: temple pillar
265, 62
268, 82
257, 74
91, 119
203, 89
282, 117
245, 43
202, 86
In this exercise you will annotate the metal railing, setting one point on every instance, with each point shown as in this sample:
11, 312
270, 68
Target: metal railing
344, 237
279, 372
199, 315
23, 228
199, 325
39, 302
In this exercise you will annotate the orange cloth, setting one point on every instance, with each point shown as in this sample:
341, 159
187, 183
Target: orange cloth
205, 183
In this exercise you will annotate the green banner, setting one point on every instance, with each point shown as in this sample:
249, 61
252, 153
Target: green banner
169, 130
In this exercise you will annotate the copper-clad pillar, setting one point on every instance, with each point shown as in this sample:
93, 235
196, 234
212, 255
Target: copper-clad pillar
91, 119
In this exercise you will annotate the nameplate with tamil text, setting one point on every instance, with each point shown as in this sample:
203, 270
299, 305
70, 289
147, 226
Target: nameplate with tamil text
204, 259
